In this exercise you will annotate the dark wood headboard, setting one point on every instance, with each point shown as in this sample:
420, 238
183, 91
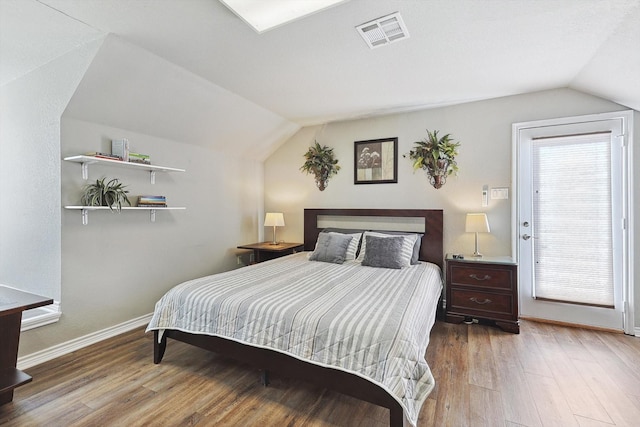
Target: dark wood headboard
432, 241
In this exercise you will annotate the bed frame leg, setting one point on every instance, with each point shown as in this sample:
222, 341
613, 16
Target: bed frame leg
158, 347
264, 378
396, 416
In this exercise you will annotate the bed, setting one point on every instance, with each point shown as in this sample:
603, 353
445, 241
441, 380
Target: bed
322, 321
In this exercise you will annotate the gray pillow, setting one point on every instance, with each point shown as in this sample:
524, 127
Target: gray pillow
354, 246
331, 247
385, 252
416, 246
408, 245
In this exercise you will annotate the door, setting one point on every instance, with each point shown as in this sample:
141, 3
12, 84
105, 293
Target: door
571, 228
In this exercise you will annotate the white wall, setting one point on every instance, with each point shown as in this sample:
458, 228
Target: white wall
41, 243
115, 268
484, 130
636, 200
31, 108
131, 88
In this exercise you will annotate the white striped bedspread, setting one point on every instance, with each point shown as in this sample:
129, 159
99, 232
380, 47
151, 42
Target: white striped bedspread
372, 322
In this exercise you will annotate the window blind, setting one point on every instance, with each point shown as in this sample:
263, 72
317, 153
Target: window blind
572, 220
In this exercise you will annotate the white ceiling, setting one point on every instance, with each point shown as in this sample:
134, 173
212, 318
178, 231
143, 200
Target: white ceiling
265, 15
318, 69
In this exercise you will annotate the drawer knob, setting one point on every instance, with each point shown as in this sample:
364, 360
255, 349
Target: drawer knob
485, 301
475, 276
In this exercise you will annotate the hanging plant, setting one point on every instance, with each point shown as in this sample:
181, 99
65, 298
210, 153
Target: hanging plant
111, 194
321, 162
436, 156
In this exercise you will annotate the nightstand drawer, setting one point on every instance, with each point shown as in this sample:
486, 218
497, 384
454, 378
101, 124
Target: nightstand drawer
479, 303
485, 277
485, 288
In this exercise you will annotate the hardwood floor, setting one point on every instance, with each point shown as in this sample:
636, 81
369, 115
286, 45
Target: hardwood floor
546, 376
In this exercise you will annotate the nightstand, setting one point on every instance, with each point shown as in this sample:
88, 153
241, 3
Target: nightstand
483, 288
265, 251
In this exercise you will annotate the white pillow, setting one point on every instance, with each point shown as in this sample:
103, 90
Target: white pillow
408, 242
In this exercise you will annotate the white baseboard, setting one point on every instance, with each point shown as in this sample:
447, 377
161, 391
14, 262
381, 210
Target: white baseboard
637, 332
41, 316
58, 350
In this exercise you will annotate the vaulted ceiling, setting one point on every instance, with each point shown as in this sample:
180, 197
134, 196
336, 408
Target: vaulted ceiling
318, 69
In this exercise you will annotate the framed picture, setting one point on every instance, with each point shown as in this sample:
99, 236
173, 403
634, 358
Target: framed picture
376, 161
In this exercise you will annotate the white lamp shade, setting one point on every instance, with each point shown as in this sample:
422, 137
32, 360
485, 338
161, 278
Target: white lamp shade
477, 223
274, 219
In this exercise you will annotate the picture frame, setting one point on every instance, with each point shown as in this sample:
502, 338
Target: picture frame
375, 161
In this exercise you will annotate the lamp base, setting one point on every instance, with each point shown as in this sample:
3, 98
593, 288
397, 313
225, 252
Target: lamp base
275, 241
476, 253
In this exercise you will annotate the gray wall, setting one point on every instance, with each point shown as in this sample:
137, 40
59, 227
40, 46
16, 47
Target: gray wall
484, 130
115, 268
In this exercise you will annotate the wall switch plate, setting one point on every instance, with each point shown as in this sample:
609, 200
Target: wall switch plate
500, 193
485, 196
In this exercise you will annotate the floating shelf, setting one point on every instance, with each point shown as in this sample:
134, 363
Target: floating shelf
152, 211
85, 161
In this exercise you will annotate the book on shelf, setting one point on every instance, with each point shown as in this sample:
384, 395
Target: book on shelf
152, 198
152, 201
103, 155
139, 158
120, 148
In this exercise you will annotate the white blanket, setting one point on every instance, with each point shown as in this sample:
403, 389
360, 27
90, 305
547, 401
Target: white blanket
372, 322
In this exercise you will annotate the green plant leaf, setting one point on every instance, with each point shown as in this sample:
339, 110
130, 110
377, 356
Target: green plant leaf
111, 194
427, 153
320, 161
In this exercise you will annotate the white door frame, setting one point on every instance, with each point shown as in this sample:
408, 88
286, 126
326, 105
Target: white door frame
628, 245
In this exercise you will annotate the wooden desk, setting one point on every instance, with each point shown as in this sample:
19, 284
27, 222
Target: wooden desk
12, 303
265, 251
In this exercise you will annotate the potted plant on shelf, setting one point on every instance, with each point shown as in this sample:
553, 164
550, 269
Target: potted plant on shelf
111, 194
436, 156
321, 162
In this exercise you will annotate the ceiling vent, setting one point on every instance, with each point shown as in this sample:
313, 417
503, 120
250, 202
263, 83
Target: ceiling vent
382, 31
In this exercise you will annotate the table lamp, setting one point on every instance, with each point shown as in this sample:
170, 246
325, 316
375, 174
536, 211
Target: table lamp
477, 223
274, 219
